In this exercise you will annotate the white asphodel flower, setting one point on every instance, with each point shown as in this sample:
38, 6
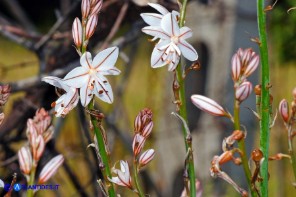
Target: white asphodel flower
123, 177
89, 77
172, 43
67, 101
154, 19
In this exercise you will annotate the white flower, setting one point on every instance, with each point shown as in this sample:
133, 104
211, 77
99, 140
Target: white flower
123, 175
89, 77
154, 19
67, 101
172, 43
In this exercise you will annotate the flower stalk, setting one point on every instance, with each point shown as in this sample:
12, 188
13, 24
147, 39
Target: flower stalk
136, 171
30, 192
183, 111
265, 100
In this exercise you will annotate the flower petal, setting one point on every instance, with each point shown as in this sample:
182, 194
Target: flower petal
55, 81
170, 25
117, 181
185, 32
159, 8
174, 63
151, 18
103, 89
86, 93
187, 50
106, 59
77, 77
86, 61
156, 32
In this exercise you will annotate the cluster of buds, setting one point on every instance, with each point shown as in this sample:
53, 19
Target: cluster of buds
142, 127
89, 11
244, 63
39, 132
4, 94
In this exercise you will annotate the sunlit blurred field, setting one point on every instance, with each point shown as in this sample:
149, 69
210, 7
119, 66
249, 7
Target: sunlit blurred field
144, 89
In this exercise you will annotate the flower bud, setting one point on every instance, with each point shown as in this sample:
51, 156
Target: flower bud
208, 105
225, 157
38, 148
147, 130
91, 26
235, 67
294, 94
251, 66
96, 6
1, 118
138, 123
146, 157
284, 110
50, 168
257, 155
77, 32
243, 91
138, 144
85, 8
257, 90
25, 159
4, 94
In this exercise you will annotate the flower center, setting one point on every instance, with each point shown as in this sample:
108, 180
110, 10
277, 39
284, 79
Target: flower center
175, 39
92, 71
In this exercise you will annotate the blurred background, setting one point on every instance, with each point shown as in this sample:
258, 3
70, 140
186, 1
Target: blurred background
36, 40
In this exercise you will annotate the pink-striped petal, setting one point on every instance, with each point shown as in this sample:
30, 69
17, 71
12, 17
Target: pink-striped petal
86, 92
252, 65
185, 32
86, 61
170, 25
77, 77
103, 89
25, 159
146, 157
106, 59
55, 81
156, 32
91, 26
187, 50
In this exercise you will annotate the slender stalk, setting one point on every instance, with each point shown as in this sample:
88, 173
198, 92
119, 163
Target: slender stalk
291, 150
98, 133
265, 100
242, 147
183, 111
30, 192
140, 192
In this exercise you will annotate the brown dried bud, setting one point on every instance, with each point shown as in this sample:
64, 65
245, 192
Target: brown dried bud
225, 157
257, 155
257, 90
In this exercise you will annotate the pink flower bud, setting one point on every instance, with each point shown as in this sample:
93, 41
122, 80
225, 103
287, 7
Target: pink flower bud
146, 157
4, 94
138, 144
208, 105
243, 91
77, 32
50, 168
284, 110
1, 118
25, 159
138, 123
147, 130
48, 134
96, 6
236, 67
85, 8
251, 66
38, 148
246, 55
91, 26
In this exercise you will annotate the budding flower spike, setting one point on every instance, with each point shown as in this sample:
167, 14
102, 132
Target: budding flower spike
67, 101
89, 77
123, 177
208, 105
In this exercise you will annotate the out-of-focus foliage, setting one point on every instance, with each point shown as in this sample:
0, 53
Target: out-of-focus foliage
283, 30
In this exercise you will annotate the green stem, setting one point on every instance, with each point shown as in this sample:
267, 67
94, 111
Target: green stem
242, 147
183, 111
140, 192
265, 100
103, 153
291, 150
30, 192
